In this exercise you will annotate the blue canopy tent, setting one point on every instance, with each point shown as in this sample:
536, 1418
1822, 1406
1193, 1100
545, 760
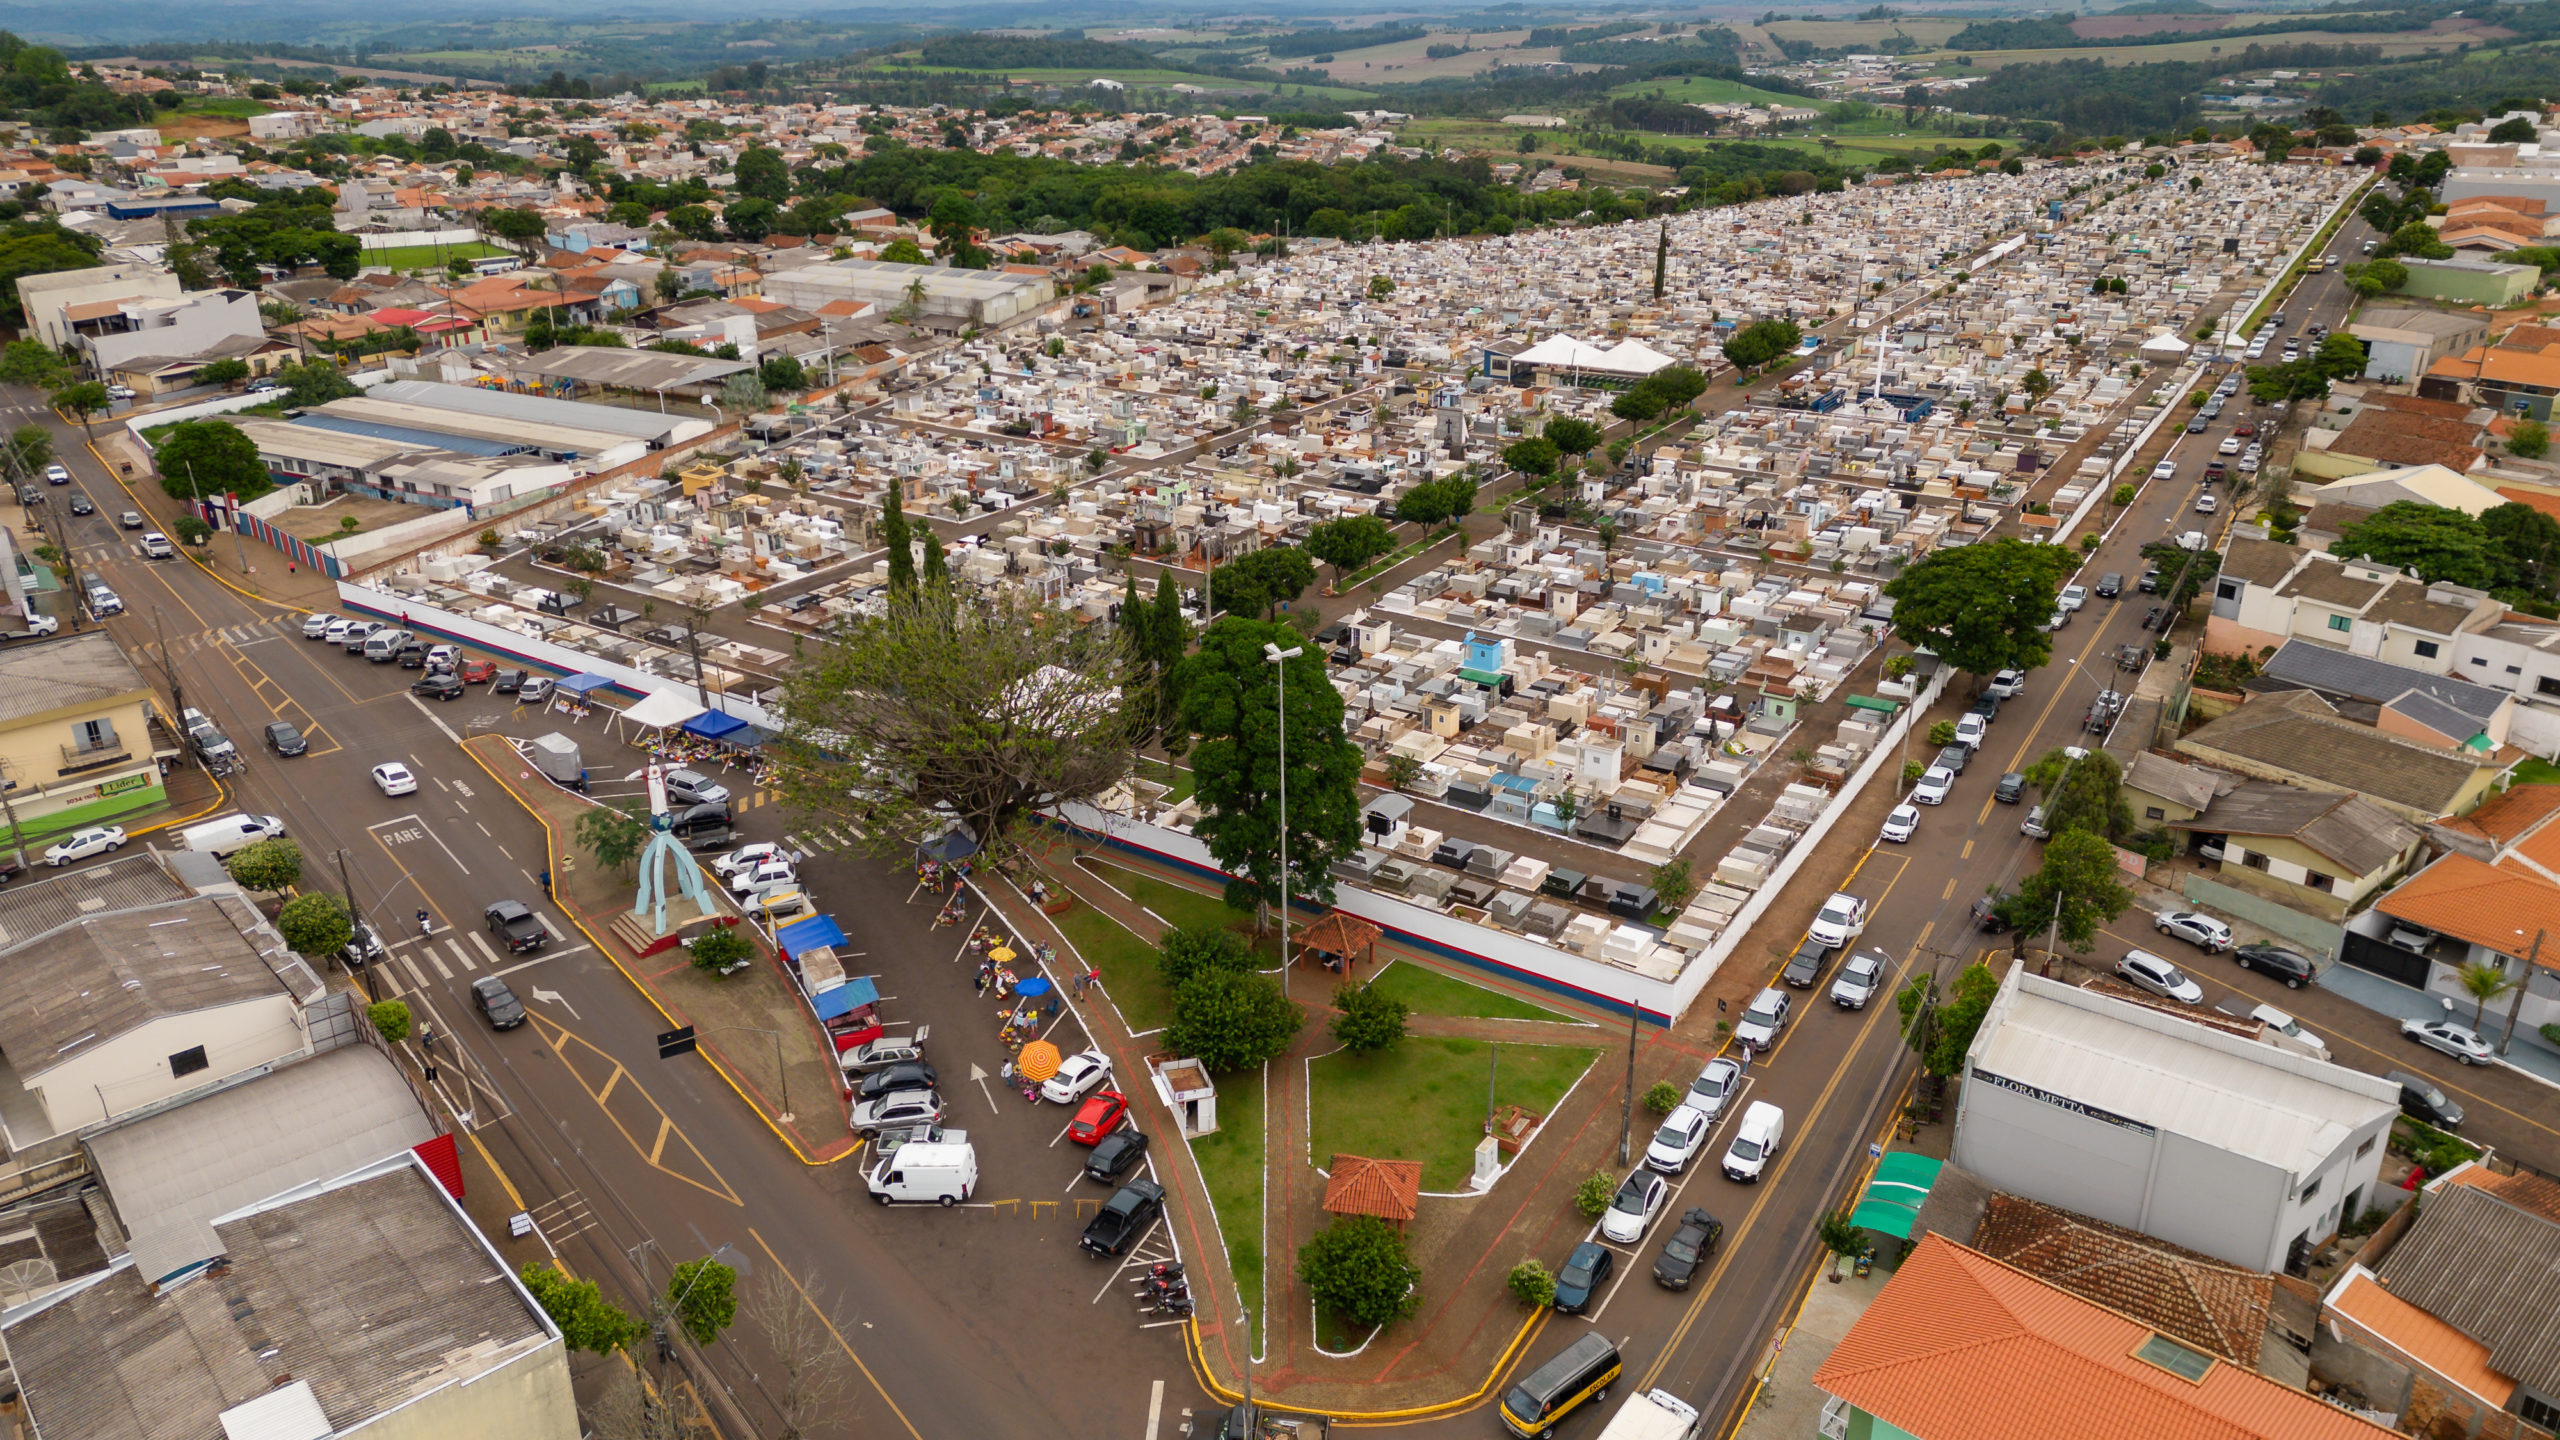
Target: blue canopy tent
583, 684
809, 934
714, 725
846, 998
955, 843
754, 737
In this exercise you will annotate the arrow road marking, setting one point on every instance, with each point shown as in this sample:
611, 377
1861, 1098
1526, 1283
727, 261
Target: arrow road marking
552, 997
981, 1077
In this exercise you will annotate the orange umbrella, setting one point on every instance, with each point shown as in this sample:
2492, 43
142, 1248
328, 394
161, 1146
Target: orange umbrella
1038, 1060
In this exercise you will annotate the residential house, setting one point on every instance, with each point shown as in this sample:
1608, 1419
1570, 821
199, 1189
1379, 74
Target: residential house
2418, 703
46, 298
2454, 1330
1958, 1346
2319, 852
2469, 282
2219, 1308
2516, 381
75, 734
369, 1303
2164, 791
2385, 437
2270, 595
2519, 654
2502, 911
2209, 1140
2300, 739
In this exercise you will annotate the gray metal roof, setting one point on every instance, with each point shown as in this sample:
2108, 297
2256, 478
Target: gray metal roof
542, 409
625, 369
126, 882
172, 1173
2336, 672
2358, 835
67, 672
373, 1293
2488, 1269
107, 973
406, 438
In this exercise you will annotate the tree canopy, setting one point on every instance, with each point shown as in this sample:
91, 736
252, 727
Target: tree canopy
2083, 794
1762, 341
1349, 543
2079, 875
209, 459
1231, 703
1982, 607
2437, 542
1231, 1020
1357, 1268
1261, 581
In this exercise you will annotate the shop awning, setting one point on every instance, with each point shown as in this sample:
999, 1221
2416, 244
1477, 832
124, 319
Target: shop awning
715, 725
844, 999
809, 934
583, 684
1894, 1193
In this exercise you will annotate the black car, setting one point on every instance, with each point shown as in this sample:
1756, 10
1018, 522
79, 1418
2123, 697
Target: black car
2196, 425
2151, 618
507, 683
1987, 917
1687, 1249
907, 1075
413, 656
2423, 1099
283, 739
2150, 581
80, 506
1805, 967
519, 927
439, 687
1113, 1156
1583, 1273
1987, 706
2110, 585
2295, 970
498, 1004
1956, 757
1123, 1218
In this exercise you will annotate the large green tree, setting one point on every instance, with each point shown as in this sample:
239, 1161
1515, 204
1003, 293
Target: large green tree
940, 706
2080, 876
208, 459
1231, 1020
1231, 705
1982, 607
41, 252
1349, 543
1159, 636
702, 1295
2183, 573
1940, 1026
586, 1319
1357, 1268
2524, 543
761, 173
315, 924
1573, 436
2086, 793
1261, 581
1762, 341
1530, 455
33, 364
2439, 543
314, 383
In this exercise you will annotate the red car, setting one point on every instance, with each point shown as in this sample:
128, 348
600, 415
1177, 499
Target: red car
475, 671
2245, 428
1100, 1114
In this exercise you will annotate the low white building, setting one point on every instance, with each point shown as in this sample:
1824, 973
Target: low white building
2198, 1136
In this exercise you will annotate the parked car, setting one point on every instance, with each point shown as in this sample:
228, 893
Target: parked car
1955, 758
1640, 1197
508, 682
2146, 971
692, 787
899, 1107
1101, 1113
1860, 977
887, 1050
1123, 1218
1688, 1249
905, 1075
1714, 1088
2423, 1099
1077, 1074
2202, 931
95, 840
2007, 685
2295, 970
1584, 1272
316, 626
2448, 1038
1114, 1154
438, 687
1761, 1023
2072, 597
1933, 786
472, 672
2411, 937
1677, 1140
1839, 921
1972, 730
1900, 824
1987, 917
534, 690
2110, 585
283, 739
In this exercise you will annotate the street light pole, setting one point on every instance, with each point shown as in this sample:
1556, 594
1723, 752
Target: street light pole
1627, 1102
372, 985
1280, 660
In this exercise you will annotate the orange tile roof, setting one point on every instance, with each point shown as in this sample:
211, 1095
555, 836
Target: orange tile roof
1961, 1347
2503, 364
2491, 905
2422, 1337
1388, 1189
2505, 818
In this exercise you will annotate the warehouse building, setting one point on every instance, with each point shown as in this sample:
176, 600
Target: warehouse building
2202, 1137
953, 300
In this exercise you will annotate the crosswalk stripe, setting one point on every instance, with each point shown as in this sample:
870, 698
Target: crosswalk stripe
390, 977
417, 976
436, 960
485, 949
796, 843
461, 957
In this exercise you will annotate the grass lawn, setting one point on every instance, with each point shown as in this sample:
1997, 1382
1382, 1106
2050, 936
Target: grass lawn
1231, 1166
1164, 772
1424, 1098
1428, 992
2537, 771
428, 257
1702, 90
236, 107
1128, 966
1184, 908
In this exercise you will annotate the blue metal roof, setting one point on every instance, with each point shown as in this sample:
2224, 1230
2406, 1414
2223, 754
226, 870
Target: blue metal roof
402, 434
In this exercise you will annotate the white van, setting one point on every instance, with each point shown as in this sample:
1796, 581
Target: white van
219, 838
945, 1174
2286, 1033
1755, 1142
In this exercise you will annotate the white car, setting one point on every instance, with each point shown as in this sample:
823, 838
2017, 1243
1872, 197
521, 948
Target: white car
2072, 597
2165, 470
748, 857
1971, 730
2007, 685
1077, 1074
1631, 1213
96, 840
1899, 825
763, 875
2454, 1040
393, 778
2206, 504
2202, 931
2146, 971
316, 627
1934, 784
1841, 918
443, 657
2231, 445
1682, 1135
56, 475
1861, 976
2190, 540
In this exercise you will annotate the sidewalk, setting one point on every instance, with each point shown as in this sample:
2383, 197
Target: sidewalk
729, 1014
2530, 1053
239, 562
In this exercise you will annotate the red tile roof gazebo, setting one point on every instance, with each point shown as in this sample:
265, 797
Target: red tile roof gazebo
1391, 1190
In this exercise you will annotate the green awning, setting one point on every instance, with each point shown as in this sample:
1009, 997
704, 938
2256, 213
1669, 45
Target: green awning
1891, 1205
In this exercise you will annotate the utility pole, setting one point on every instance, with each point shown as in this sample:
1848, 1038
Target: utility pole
693, 643
2515, 1007
1627, 1102
168, 671
372, 983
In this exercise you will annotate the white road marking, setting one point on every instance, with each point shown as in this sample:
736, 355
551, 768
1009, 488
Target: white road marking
437, 961
461, 956
486, 948
436, 720
417, 975
539, 959
1155, 1408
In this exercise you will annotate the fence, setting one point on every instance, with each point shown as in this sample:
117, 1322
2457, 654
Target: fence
255, 527
2319, 937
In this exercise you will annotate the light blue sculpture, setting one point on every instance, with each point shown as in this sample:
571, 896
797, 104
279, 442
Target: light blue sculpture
651, 903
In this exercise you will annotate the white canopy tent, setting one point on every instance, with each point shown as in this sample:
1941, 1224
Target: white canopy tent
1628, 358
663, 710
2165, 346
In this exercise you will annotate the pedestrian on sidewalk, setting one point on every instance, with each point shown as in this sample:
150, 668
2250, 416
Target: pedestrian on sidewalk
1056, 1003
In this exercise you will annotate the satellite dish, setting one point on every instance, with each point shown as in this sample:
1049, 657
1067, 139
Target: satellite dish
24, 1280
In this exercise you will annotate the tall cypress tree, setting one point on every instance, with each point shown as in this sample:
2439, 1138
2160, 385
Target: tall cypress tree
893, 533
936, 572
1168, 638
1661, 258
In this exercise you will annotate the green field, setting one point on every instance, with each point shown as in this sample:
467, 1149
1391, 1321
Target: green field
1231, 1168
1700, 90
235, 107
1423, 1099
428, 257
2393, 44
1428, 992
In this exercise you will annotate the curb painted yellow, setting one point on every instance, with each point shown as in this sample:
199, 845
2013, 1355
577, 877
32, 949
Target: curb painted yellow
1529, 1330
198, 561
551, 854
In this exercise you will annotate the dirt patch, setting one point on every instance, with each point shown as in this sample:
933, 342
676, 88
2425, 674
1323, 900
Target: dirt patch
316, 523
200, 127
